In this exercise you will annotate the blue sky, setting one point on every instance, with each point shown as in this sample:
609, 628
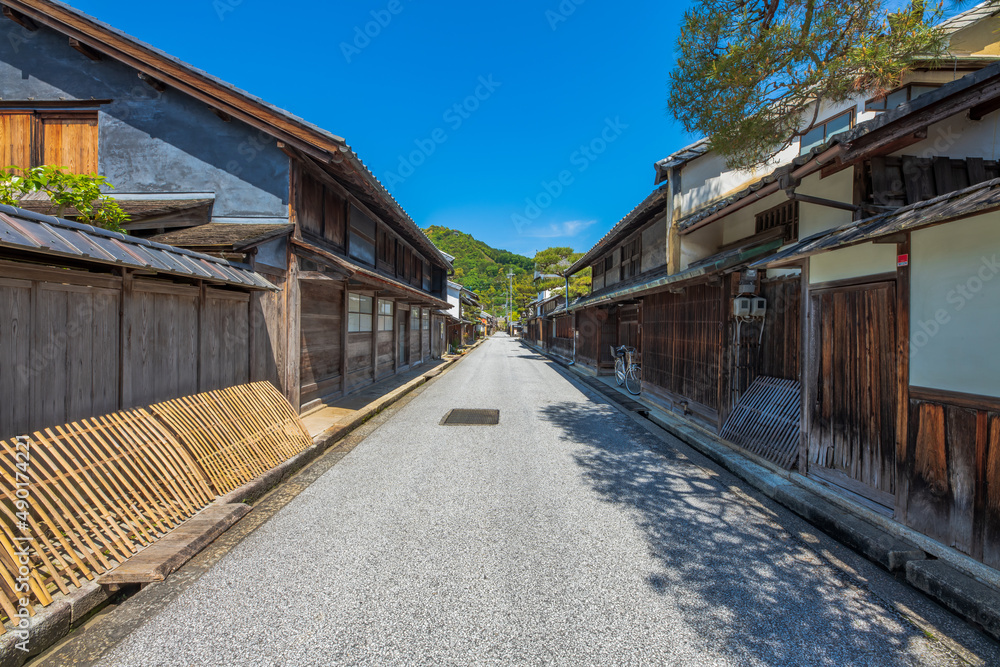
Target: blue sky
528, 125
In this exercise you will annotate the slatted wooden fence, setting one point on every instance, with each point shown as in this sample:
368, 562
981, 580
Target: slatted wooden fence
766, 420
85, 497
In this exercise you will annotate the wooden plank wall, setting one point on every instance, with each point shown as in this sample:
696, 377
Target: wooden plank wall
321, 318
359, 360
950, 477
682, 343
75, 344
268, 338
853, 425
386, 353
589, 342
781, 344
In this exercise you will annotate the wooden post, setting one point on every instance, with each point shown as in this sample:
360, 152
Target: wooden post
293, 319
375, 336
395, 336
806, 351
902, 378
343, 339
672, 217
124, 341
199, 342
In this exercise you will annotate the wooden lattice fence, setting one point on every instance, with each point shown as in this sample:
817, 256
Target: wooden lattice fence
80, 499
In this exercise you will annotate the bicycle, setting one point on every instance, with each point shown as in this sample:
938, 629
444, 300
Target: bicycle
627, 372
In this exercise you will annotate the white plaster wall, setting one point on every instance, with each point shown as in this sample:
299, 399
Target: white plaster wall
654, 245
814, 218
700, 244
959, 137
853, 262
955, 306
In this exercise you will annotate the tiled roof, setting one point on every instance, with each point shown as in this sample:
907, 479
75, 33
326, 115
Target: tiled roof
226, 236
978, 198
36, 234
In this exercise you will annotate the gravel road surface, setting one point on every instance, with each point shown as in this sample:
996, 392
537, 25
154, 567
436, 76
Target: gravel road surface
568, 534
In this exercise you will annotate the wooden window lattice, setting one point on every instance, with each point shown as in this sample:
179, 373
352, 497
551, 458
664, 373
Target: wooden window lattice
784, 215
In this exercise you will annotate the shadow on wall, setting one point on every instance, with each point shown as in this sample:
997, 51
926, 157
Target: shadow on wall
736, 573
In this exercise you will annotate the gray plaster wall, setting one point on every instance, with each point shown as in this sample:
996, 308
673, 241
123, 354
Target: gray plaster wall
654, 245
150, 142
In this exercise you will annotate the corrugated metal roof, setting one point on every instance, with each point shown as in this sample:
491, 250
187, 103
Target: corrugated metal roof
31, 232
979, 198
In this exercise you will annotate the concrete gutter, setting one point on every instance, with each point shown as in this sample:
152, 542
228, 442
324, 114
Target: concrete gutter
68, 612
962, 585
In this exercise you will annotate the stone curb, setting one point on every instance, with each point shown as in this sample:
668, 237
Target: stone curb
967, 597
957, 592
50, 624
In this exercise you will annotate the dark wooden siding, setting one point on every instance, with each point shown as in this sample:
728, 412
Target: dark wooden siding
682, 343
75, 344
853, 431
950, 478
321, 326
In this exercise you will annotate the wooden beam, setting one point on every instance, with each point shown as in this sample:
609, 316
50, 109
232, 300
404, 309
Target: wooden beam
807, 347
986, 91
155, 84
20, 19
902, 380
898, 237
84, 49
343, 340
980, 111
375, 336
222, 115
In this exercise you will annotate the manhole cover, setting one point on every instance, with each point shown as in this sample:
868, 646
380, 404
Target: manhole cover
471, 418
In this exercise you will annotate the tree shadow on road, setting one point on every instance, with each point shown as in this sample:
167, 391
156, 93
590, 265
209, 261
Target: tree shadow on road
727, 562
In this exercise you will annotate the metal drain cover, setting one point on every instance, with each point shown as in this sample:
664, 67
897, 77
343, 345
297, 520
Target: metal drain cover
478, 417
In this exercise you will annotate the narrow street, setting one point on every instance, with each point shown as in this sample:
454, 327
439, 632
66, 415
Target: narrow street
568, 534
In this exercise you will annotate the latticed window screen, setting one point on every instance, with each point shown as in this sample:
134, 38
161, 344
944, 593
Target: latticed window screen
384, 315
630, 258
783, 215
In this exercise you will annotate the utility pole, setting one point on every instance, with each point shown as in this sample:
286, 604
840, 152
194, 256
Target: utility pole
510, 294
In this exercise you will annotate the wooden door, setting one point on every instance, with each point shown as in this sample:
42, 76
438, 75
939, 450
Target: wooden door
403, 340
852, 439
628, 327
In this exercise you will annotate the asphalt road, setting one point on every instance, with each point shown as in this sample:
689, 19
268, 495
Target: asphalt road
569, 534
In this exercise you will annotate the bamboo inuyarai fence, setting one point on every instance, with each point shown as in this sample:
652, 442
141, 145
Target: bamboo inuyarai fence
80, 499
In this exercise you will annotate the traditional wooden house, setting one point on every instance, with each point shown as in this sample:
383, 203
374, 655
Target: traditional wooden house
461, 328
203, 165
95, 322
829, 311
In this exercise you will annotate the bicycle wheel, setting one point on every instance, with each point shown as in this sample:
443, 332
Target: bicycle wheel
633, 380
619, 371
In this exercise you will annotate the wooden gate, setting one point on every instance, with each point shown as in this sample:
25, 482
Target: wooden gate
628, 327
853, 427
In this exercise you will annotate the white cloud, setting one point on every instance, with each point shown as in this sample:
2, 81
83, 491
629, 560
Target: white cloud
558, 229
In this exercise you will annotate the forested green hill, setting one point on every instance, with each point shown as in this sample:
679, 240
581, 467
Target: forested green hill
483, 269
